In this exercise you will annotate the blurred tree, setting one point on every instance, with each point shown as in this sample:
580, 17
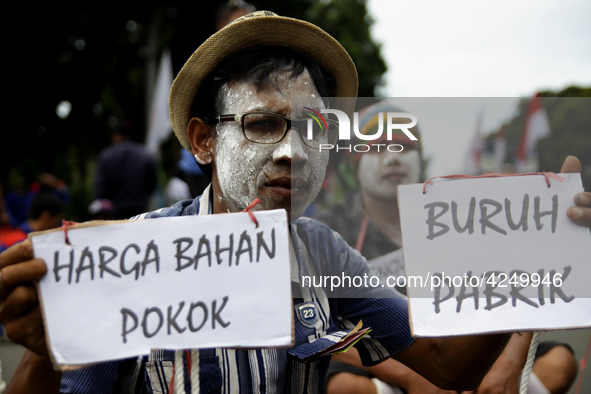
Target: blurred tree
349, 22
101, 58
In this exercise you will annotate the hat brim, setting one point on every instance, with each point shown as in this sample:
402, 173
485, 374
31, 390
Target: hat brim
253, 32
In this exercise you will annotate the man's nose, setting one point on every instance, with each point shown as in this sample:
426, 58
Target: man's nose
391, 158
291, 149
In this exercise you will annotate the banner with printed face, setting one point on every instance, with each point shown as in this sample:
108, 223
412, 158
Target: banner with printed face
119, 290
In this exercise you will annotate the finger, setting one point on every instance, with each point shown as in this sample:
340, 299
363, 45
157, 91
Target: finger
571, 164
25, 272
19, 302
28, 331
579, 215
17, 253
583, 199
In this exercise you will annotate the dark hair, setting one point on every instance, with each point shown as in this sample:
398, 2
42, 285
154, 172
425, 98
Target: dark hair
260, 66
45, 201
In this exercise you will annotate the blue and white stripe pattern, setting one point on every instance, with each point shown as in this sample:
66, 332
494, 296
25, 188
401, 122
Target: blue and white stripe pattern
315, 250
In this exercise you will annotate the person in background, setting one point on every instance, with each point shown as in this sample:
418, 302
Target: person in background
177, 188
369, 220
126, 174
45, 212
230, 11
187, 180
18, 199
8, 234
192, 174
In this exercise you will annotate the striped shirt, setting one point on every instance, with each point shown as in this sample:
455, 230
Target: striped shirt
315, 250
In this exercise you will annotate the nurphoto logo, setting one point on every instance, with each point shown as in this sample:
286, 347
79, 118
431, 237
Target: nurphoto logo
326, 131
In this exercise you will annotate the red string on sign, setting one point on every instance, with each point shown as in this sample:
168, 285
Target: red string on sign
188, 357
582, 367
547, 176
171, 384
362, 232
249, 208
65, 225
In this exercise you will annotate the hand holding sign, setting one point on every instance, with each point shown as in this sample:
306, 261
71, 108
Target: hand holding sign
581, 213
121, 289
496, 253
19, 303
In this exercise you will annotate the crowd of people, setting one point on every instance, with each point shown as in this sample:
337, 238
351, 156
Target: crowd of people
252, 68
37, 207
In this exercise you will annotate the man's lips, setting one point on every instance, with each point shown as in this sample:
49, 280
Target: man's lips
287, 187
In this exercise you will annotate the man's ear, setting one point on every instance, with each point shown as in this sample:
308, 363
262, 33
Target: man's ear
201, 137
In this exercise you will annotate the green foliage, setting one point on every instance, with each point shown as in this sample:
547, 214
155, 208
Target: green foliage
349, 22
98, 57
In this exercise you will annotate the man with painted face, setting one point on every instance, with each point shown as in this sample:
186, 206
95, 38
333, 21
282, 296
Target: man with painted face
230, 105
369, 221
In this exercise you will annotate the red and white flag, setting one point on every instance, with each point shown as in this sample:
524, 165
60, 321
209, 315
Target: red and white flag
159, 126
536, 127
499, 151
472, 162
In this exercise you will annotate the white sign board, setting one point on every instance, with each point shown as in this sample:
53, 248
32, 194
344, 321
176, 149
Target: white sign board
388, 265
120, 290
495, 254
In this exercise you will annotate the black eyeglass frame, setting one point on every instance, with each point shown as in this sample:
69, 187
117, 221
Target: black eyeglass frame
239, 118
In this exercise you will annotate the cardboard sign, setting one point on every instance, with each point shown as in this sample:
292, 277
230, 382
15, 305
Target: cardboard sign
495, 254
120, 290
390, 265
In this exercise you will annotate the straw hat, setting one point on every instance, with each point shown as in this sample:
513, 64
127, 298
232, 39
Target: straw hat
258, 29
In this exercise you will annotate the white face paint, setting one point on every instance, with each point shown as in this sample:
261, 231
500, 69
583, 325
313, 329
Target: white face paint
286, 174
380, 174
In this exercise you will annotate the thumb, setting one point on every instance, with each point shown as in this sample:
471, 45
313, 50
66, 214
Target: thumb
571, 164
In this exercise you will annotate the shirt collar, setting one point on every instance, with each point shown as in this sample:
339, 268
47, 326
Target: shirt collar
205, 201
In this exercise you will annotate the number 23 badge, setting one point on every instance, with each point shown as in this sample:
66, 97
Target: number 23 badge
307, 313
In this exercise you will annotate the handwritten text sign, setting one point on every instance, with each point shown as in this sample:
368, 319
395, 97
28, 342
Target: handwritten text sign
495, 254
390, 265
121, 289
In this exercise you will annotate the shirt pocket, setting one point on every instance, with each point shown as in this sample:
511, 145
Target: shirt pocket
159, 374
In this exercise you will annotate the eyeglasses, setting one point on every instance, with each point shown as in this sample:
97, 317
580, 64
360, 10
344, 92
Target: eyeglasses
269, 128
